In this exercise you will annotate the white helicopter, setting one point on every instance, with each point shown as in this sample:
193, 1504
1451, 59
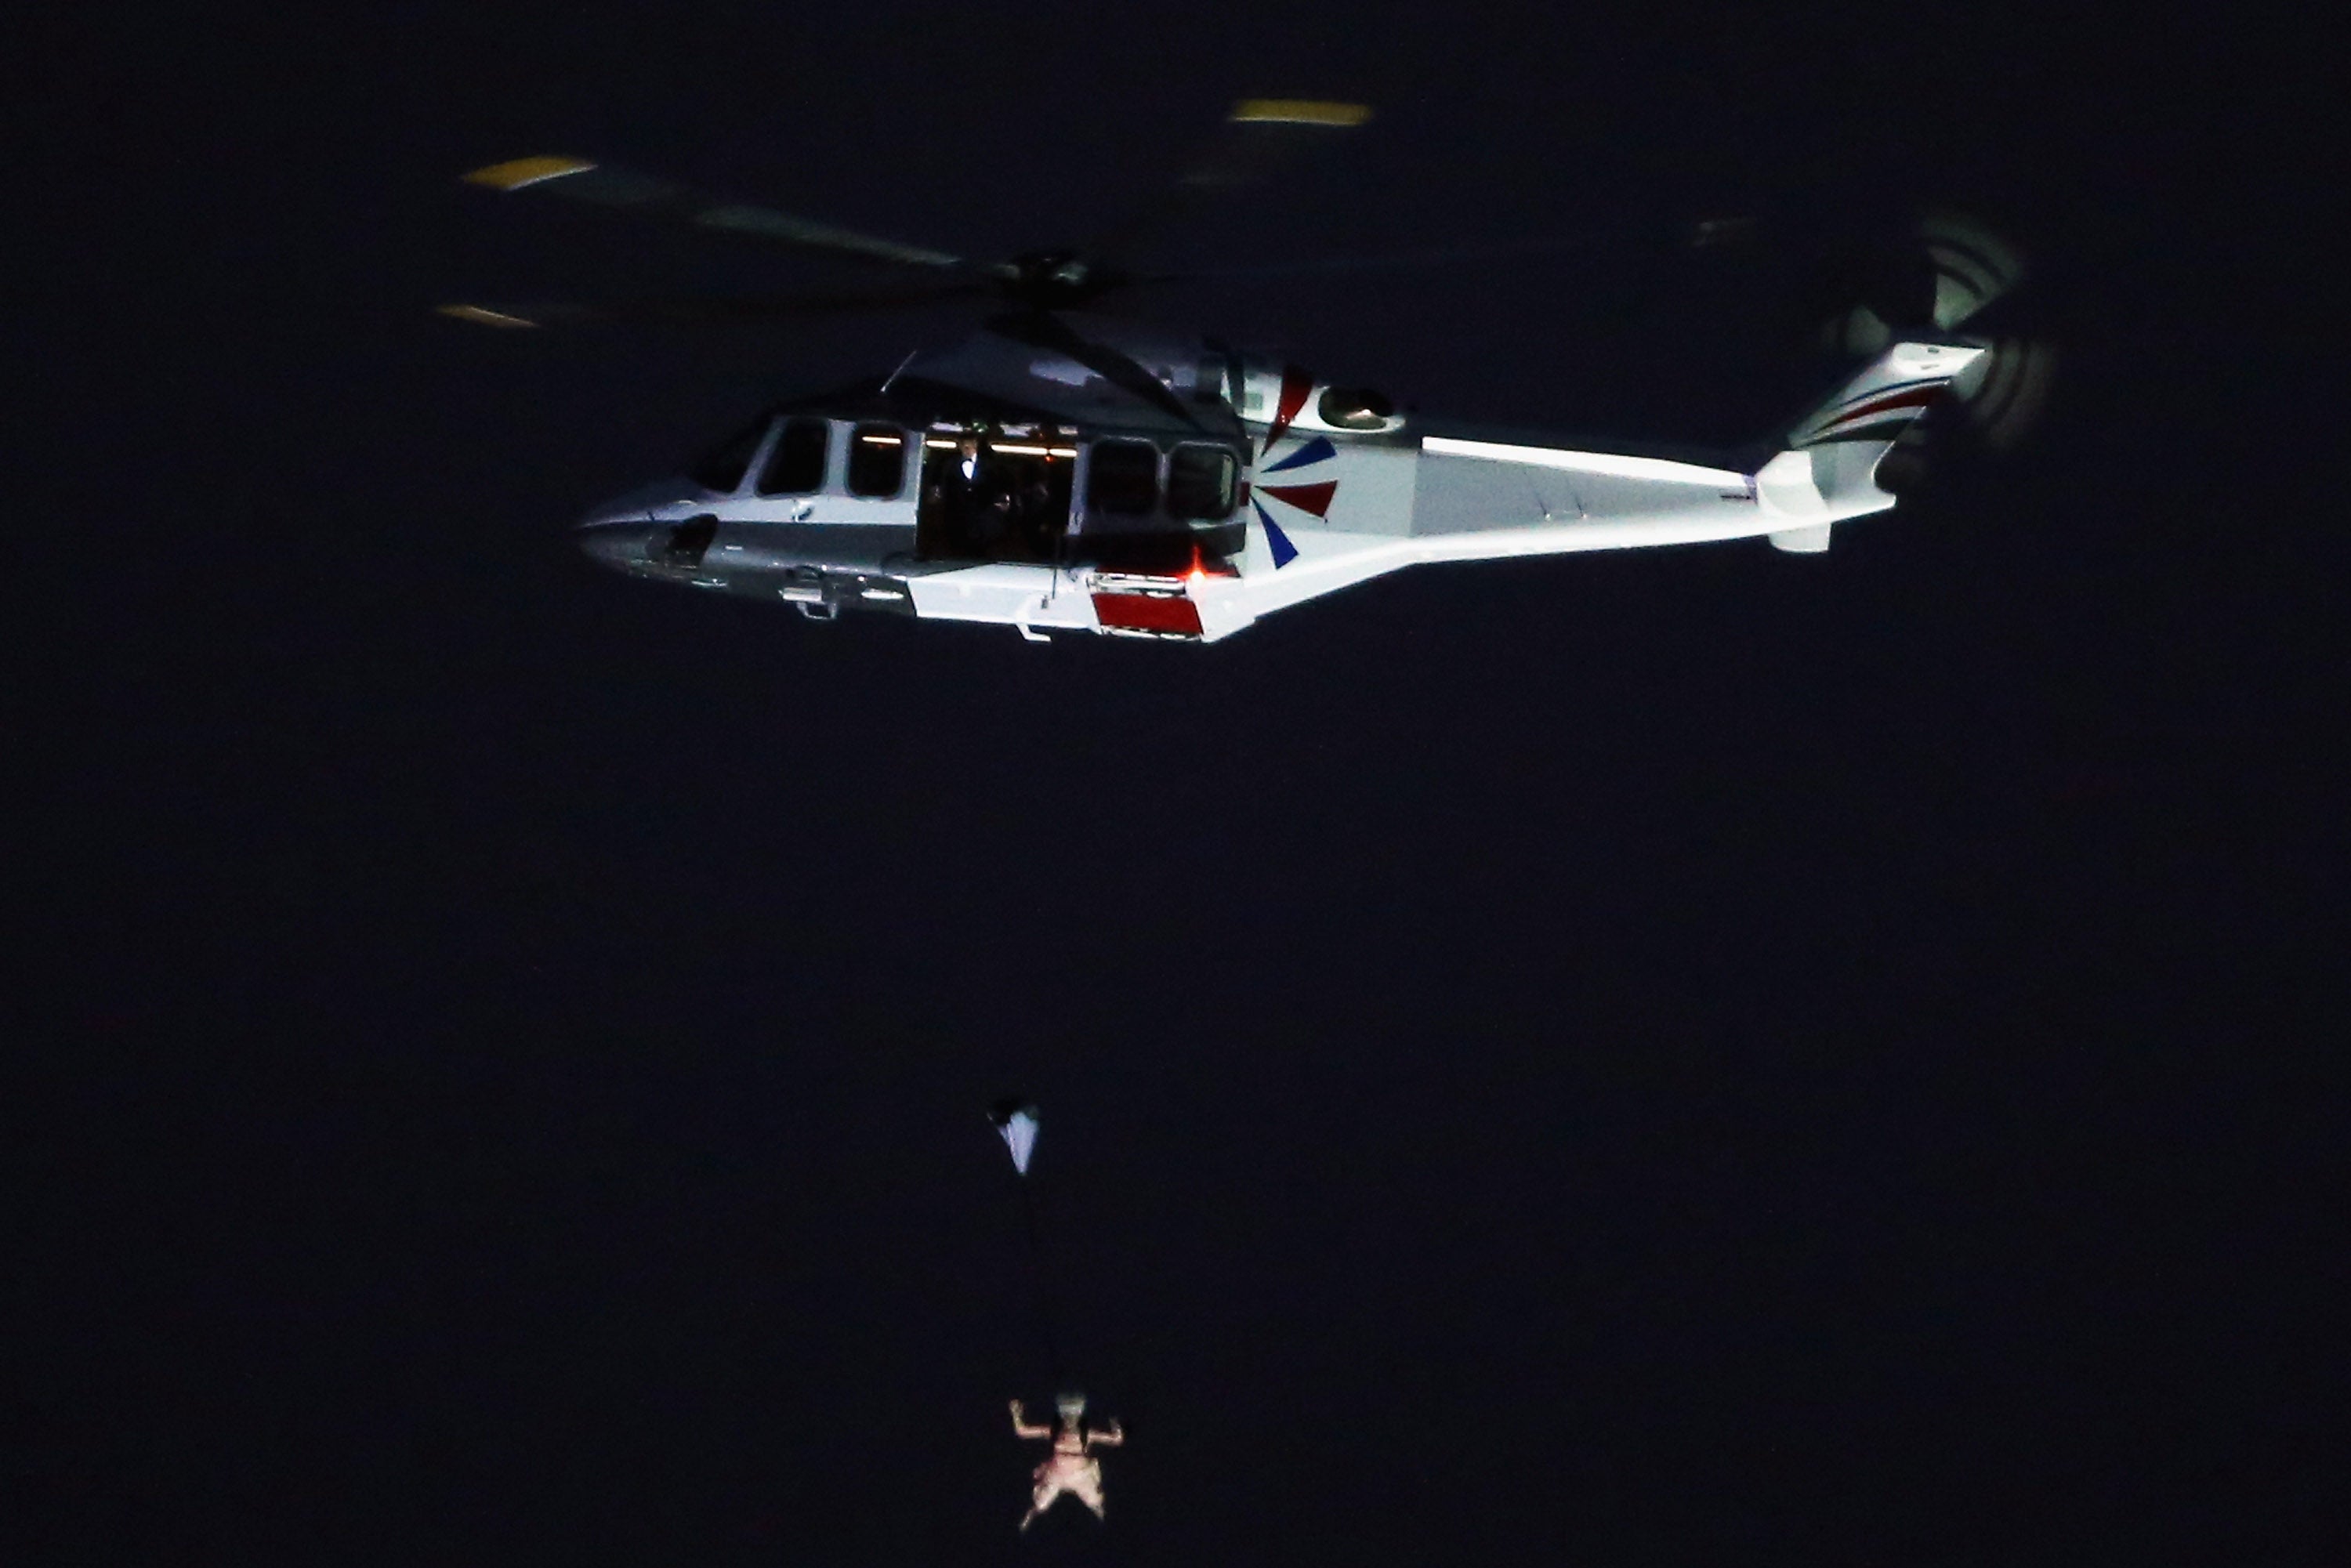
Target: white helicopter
1062, 471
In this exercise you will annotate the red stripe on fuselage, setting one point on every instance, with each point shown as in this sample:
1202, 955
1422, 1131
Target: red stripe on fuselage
1907, 397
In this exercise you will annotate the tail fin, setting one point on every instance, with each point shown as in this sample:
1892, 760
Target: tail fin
1828, 471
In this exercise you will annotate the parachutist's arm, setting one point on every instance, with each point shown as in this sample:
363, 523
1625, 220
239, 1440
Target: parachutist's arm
1020, 1424
1110, 1435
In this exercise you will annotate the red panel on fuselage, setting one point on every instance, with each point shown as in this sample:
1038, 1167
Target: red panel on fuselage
1148, 612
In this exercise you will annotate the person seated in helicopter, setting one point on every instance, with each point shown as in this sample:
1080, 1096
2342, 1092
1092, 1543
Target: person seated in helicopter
1071, 1467
1041, 520
946, 474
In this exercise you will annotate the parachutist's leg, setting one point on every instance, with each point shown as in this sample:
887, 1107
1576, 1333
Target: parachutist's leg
1086, 1486
1048, 1487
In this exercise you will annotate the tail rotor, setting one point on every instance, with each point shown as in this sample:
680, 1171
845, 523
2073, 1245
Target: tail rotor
2002, 393
1959, 276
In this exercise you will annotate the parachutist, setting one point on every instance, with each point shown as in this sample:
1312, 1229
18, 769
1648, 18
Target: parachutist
1071, 1467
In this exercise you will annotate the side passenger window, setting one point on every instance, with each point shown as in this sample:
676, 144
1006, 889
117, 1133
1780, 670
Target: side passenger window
877, 460
795, 465
1202, 483
1122, 478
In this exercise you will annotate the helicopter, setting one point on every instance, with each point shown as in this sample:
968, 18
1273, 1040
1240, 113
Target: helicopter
1065, 470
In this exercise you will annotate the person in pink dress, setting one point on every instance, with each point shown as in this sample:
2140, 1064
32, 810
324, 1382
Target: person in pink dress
1072, 1466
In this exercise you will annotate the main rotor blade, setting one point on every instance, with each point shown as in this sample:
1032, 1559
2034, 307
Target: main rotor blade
1043, 329
646, 196
1444, 256
1261, 134
1259, 137
1703, 235
702, 310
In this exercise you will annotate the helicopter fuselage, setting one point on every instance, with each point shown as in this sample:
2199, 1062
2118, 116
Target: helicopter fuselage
1086, 475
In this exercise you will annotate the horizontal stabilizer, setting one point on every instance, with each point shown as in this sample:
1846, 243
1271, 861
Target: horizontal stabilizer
1802, 542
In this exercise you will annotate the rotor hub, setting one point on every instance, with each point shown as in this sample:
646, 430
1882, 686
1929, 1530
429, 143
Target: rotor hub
1052, 279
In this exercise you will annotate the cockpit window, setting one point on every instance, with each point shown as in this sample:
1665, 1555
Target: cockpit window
1354, 408
1122, 478
1203, 483
877, 460
721, 467
795, 465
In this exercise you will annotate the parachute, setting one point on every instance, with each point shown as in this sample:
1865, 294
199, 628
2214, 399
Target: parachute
1016, 1123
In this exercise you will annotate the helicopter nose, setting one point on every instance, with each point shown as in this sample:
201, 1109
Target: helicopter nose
617, 544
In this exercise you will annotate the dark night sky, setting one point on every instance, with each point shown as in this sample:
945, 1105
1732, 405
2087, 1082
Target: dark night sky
1699, 1056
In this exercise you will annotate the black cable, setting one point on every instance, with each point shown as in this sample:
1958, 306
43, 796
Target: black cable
1044, 1300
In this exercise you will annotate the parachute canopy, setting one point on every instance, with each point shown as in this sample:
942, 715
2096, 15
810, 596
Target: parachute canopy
1016, 1120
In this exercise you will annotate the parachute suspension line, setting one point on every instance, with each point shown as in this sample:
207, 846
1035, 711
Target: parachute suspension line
1016, 1123
1042, 1293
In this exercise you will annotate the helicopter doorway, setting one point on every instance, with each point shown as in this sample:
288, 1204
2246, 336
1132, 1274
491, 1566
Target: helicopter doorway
1000, 495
